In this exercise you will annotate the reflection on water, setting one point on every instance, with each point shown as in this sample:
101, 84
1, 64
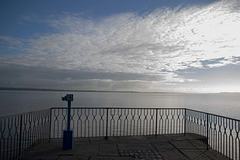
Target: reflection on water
24, 101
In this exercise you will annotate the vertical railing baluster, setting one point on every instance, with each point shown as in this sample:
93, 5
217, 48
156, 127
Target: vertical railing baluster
112, 123
146, 121
4, 137
132, 121
156, 120
207, 130
215, 132
185, 121
119, 122
101, 129
170, 121
229, 138
219, 132
87, 112
238, 137
161, 122
50, 123
1, 139
124, 122
8, 137
29, 131
15, 139
134, 127
237, 141
232, 139
106, 125
139, 121
94, 122
20, 138
225, 137
72, 121
211, 131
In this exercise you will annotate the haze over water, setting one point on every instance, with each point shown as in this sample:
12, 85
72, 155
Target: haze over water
226, 104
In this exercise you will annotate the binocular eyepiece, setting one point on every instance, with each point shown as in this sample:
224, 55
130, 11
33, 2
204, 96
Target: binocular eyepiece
68, 97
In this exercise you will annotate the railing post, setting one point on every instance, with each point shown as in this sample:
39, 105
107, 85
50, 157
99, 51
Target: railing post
185, 121
107, 125
20, 138
156, 122
207, 129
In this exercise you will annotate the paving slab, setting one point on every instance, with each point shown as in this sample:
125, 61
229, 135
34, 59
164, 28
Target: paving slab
141, 146
163, 145
172, 154
86, 149
152, 154
213, 155
199, 144
72, 158
110, 158
184, 144
108, 150
159, 139
195, 154
130, 139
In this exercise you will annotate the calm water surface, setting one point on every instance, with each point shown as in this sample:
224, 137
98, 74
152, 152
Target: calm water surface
12, 102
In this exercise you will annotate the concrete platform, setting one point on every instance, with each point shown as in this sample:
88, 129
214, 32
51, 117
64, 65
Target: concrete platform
162, 147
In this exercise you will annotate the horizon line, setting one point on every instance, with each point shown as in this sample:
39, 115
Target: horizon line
79, 90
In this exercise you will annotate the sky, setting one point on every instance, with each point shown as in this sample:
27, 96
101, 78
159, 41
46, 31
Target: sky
121, 45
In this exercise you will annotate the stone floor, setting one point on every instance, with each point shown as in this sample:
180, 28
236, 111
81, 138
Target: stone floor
163, 147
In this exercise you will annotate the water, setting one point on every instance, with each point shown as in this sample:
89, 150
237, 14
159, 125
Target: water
226, 104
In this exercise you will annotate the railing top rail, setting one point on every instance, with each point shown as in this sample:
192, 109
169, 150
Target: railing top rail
19, 114
213, 114
112, 108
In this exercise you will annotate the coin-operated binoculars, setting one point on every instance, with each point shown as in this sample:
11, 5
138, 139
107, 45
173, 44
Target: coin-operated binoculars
68, 134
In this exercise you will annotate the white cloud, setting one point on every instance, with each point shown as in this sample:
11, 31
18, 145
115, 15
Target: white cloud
160, 41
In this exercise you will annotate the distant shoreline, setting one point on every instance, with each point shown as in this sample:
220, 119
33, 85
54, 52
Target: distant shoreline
69, 90
59, 90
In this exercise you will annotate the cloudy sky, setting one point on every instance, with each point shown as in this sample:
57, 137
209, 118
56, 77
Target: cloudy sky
121, 45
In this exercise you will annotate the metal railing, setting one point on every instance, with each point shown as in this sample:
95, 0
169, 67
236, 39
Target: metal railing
19, 133
98, 122
222, 132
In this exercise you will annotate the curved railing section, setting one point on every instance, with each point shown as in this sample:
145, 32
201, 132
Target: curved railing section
20, 133
222, 133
